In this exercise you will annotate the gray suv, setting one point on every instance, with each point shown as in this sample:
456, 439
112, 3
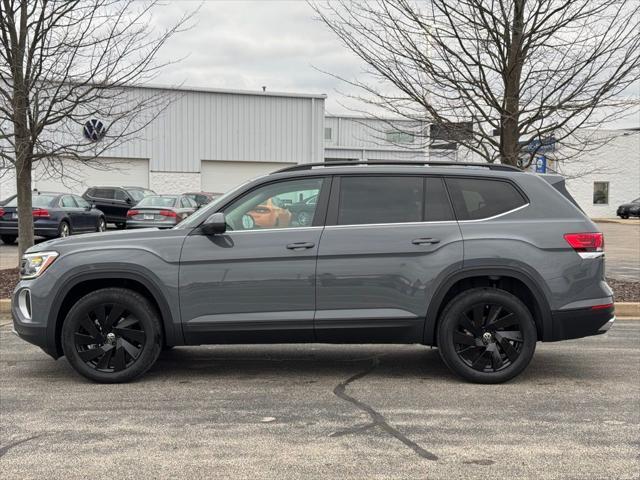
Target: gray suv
480, 260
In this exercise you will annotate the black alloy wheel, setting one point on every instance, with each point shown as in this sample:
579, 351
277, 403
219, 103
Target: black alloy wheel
112, 335
488, 337
109, 338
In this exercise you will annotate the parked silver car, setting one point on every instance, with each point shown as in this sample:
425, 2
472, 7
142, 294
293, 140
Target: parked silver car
161, 211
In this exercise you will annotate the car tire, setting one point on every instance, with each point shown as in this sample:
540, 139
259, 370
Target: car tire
64, 229
486, 335
102, 225
8, 239
624, 217
112, 335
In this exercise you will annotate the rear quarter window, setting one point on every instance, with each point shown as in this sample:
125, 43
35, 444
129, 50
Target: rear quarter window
478, 198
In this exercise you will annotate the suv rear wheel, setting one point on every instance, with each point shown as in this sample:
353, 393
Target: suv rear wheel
486, 335
112, 335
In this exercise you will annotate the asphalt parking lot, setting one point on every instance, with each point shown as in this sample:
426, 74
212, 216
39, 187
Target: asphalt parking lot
318, 411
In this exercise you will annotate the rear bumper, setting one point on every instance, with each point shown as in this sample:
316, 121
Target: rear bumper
47, 230
582, 322
149, 224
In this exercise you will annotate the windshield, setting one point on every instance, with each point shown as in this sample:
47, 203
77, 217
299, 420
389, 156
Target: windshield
157, 201
139, 194
637, 200
38, 201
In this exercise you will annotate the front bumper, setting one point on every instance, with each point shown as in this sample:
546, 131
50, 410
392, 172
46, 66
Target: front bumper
581, 322
35, 329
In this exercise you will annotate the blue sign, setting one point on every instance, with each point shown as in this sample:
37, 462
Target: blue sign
547, 144
541, 164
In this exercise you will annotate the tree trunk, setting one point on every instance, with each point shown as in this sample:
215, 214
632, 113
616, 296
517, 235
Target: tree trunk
510, 118
25, 211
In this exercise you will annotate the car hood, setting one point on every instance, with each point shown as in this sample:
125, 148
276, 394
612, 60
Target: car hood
107, 239
630, 205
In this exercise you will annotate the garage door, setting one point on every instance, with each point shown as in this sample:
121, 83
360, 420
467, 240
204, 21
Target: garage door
220, 177
77, 177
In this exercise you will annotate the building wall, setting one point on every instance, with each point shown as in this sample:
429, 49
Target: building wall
174, 182
356, 138
616, 162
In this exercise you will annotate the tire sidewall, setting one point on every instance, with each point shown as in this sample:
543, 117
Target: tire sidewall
463, 302
138, 306
61, 227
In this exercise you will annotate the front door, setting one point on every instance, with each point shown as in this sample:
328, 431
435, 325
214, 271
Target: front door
387, 243
256, 282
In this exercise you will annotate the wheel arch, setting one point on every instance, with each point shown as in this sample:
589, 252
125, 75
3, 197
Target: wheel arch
78, 286
514, 280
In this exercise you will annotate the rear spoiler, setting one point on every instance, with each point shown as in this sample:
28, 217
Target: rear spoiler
557, 182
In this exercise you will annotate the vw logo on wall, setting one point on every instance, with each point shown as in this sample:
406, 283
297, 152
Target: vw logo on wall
94, 130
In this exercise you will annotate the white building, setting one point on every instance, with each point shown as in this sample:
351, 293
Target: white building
212, 140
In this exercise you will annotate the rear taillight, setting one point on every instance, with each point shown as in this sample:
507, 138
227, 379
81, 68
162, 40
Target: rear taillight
168, 213
131, 213
1, 212
40, 213
604, 306
585, 242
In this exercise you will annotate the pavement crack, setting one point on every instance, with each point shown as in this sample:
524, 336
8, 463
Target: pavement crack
377, 419
5, 449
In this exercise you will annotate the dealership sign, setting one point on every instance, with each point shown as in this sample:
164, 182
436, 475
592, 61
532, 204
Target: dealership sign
94, 130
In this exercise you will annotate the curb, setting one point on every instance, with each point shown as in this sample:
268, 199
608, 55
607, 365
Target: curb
627, 309
622, 309
619, 221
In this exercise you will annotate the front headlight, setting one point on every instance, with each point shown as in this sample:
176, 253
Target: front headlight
34, 264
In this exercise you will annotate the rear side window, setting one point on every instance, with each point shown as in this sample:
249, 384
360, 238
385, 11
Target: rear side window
68, 201
380, 200
103, 193
478, 198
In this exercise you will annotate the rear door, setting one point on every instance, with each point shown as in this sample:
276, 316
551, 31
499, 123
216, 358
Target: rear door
388, 242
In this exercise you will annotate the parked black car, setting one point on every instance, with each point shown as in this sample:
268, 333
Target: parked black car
54, 215
302, 211
631, 209
202, 198
162, 211
115, 202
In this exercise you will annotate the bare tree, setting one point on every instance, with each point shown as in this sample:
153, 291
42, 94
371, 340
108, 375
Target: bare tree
64, 63
496, 75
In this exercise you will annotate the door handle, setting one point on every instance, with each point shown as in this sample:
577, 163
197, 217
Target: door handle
300, 245
423, 241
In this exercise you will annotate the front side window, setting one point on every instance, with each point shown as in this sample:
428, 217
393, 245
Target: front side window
270, 206
120, 195
82, 203
600, 193
370, 200
437, 206
478, 198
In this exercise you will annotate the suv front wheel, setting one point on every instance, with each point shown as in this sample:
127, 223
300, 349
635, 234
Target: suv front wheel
486, 335
112, 335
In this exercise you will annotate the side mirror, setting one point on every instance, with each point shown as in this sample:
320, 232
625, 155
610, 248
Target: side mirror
129, 201
215, 224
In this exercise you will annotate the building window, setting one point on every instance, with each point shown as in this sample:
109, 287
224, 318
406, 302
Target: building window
396, 137
600, 193
327, 133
